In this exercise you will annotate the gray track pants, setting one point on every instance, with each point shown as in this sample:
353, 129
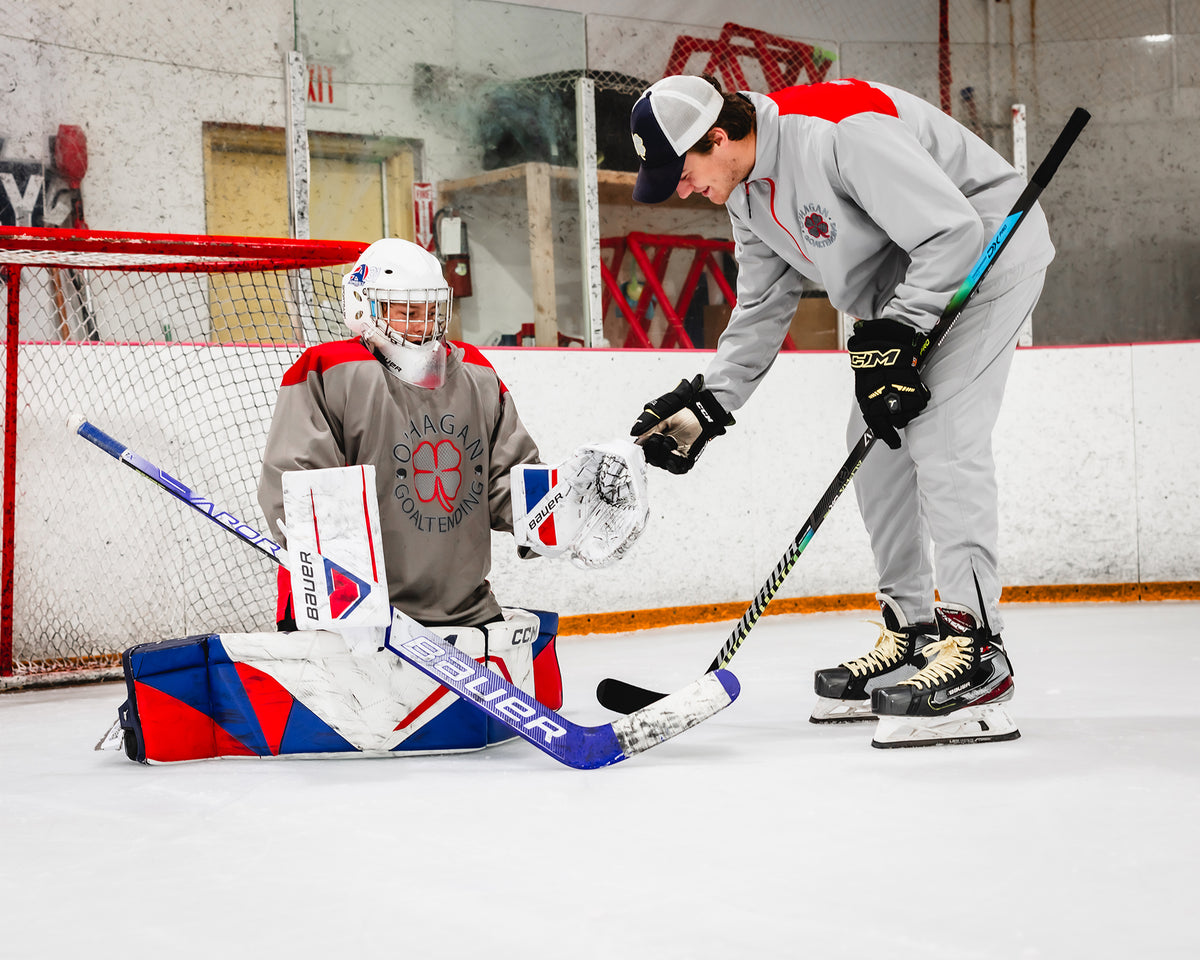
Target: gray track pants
930, 508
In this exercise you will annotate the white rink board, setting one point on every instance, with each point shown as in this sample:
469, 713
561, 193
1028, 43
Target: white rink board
715, 533
1096, 447
1166, 429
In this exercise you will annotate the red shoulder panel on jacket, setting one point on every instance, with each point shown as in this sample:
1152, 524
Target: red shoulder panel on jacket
472, 354
323, 356
834, 101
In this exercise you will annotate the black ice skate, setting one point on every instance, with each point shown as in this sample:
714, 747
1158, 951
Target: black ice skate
844, 692
956, 697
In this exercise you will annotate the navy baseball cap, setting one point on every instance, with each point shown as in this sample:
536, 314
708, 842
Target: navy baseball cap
667, 121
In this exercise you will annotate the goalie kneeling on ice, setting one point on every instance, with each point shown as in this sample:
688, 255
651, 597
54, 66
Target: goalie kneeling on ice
305, 693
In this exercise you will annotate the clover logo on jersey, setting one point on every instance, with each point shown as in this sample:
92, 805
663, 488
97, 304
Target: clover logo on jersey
819, 228
436, 473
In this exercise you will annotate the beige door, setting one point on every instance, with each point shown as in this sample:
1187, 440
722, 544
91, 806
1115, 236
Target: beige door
353, 182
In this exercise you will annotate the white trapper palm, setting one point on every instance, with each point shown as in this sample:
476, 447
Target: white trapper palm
594, 511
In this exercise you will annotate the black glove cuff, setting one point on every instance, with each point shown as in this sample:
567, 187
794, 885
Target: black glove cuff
888, 331
713, 417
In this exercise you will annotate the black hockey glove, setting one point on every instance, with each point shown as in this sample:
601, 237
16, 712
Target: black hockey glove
890, 393
673, 429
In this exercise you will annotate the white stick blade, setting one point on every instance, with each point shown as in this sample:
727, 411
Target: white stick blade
677, 712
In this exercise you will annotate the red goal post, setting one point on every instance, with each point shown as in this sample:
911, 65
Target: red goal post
175, 344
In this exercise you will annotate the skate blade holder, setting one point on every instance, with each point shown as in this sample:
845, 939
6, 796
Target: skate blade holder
827, 710
969, 725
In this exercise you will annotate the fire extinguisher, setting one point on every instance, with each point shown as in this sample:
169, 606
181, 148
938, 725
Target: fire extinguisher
70, 161
451, 234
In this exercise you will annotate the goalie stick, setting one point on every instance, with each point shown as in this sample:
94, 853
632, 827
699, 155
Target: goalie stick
622, 697
583, 748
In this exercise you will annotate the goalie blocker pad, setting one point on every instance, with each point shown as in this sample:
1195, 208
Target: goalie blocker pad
307, 694
335, 549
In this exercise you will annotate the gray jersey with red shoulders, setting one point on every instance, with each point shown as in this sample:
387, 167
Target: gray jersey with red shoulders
873, 194
442, 459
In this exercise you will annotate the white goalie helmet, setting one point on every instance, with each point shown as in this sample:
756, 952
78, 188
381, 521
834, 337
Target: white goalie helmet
398, 301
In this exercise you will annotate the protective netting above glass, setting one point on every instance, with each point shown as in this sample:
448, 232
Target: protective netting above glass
488, 90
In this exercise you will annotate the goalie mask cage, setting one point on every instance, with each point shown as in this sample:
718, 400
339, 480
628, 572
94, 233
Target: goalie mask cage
176, 345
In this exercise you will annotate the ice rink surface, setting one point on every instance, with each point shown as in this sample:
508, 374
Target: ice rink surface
756, 834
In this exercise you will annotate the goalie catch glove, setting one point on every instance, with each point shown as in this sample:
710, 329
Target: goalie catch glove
890, 392
591, 508
673, 429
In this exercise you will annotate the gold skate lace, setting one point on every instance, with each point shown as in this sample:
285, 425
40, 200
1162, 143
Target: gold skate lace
884, 654
946, 657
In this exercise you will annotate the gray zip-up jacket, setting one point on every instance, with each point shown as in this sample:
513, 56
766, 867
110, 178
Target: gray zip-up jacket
442, 460
876, 196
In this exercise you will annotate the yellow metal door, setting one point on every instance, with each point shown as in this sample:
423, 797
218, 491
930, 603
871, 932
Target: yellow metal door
353, 181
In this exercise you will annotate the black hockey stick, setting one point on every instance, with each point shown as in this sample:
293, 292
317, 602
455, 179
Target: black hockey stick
624, 697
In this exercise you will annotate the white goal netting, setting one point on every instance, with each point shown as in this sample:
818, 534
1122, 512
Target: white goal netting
175, 346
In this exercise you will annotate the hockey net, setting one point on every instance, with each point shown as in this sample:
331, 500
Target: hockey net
176, 346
